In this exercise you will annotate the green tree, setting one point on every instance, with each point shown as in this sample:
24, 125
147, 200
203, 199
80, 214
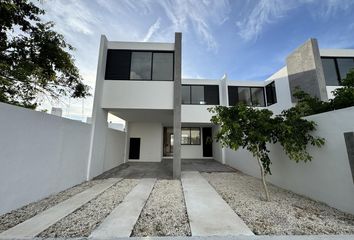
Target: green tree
343, 97
34, 59
254, 129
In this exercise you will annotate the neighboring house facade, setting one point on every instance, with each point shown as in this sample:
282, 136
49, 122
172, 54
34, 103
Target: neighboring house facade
167, 117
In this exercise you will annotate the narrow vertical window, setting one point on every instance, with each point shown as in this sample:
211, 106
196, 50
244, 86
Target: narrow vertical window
271, 94
186, 94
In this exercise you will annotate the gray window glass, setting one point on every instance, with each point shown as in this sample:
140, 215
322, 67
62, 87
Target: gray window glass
162, 66
141, 66
195, 136
197, 94
330, 72
186, 94
244, 95
186, 136
344, 66
257, 97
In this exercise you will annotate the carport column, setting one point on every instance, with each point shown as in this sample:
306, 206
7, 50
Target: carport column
177, 107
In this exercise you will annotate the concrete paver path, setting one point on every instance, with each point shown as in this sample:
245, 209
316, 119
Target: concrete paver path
209, 214
40, 222
120, 222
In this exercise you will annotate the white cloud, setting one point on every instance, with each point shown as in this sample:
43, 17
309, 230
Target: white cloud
71, 16
152, 30
266, 12
197, 16
263, 13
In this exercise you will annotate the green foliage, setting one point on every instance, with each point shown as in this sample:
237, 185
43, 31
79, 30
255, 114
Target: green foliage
34, 59
253, 129
343, 98
246, 127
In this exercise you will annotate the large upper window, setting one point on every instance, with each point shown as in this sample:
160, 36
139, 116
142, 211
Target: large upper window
336, 68
200, 94
139, 65
251, 96
271, 94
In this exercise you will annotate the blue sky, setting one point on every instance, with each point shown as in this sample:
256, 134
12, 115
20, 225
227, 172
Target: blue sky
247, 39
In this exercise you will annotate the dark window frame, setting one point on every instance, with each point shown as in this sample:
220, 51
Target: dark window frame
200, 85
249, 88
190, 136
337, 68
273, 95
151, 68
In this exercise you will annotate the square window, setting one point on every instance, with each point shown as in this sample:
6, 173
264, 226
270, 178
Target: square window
141, 66
198, 95
244, 95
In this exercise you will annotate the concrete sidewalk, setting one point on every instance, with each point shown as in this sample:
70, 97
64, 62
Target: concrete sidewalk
208, 213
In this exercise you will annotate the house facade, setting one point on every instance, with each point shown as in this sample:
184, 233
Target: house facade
168, 117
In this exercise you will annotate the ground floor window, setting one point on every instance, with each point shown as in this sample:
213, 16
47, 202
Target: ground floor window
190, 136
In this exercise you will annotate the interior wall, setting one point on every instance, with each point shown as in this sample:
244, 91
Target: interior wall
151, 140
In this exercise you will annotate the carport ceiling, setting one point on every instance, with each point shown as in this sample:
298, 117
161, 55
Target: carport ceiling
144, 115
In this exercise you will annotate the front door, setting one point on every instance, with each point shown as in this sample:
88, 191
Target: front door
207, 142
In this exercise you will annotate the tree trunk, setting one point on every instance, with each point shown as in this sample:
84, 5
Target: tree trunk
263, 176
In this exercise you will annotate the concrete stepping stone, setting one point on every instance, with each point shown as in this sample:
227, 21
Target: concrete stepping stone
209, 214
35, 225
120, 222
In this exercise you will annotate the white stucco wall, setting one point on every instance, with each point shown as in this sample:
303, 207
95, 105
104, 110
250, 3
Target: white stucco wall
282, 89
137, 94
40, 154
192, 151
327, 178
115, 149
196, 113
151, 140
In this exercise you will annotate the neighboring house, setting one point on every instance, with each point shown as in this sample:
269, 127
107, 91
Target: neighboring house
141, 83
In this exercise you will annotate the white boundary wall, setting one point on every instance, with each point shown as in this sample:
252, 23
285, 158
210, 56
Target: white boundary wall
42, 154
327, 178
114, 151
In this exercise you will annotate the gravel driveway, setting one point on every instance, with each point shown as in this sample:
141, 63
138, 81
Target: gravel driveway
286, 213
17, 216
165, 212
85, 219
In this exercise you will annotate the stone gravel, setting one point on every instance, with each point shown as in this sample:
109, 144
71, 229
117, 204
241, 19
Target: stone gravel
286, 213
165, 212
17, 216
85, 219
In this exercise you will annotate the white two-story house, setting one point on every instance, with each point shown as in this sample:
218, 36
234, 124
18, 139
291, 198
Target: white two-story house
167, 117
